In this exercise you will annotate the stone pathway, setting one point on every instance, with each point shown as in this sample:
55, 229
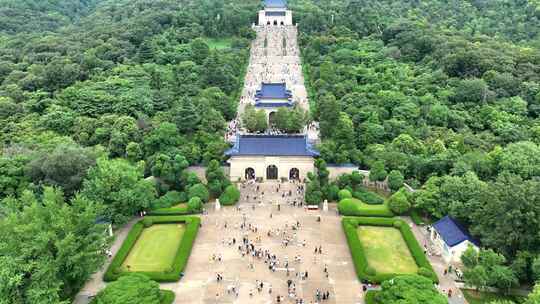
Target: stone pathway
95, 284
275, 57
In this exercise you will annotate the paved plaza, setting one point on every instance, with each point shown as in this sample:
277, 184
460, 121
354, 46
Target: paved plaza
219, 228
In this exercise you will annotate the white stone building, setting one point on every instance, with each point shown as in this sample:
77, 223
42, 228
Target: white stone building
451, 239
275, 12
271, 157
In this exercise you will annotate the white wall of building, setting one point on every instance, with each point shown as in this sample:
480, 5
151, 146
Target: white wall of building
263, 19
239, 164
450, 254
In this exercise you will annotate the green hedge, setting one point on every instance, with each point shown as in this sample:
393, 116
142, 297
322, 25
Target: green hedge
344, 193
171, 211
355, 207
370, 296
167, 296
350, 225
367, 196
114, 270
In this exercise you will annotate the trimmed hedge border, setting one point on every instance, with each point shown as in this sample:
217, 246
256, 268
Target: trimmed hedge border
378, 211
366, 273
182, 255
170, 211
370, 296
167, 296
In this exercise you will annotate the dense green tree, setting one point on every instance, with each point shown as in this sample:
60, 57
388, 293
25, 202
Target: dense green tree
121, 187
65, 167
395, 180
409, 289
399, 202
49, 247
132, 288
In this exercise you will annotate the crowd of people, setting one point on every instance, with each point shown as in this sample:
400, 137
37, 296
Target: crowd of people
255, 243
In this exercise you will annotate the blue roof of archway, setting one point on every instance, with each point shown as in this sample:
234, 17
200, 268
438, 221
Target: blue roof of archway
272, 145
273, 91
275, 3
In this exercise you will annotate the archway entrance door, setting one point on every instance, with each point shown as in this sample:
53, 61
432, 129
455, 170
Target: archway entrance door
294, 174
271, 119
275, 22
249, 173
271, 172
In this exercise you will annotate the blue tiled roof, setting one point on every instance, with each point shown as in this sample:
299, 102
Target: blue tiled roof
273, 91
452, 231
272, 145
275, 3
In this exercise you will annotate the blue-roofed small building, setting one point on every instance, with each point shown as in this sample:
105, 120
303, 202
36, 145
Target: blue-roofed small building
271, 157
271, 97
275, 13
452, 239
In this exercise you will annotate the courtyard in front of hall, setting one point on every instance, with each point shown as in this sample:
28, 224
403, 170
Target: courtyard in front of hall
199, 284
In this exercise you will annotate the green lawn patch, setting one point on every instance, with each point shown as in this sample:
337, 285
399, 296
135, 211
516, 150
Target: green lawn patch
157, 246
218, 43
386, 250
381, 254
474, 297
355, 207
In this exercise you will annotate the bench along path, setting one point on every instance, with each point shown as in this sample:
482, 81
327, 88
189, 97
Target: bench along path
199, 285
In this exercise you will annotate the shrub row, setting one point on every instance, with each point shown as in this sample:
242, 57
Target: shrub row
353, 207
368, 197
366, 273
184, 210
370, 297
167, 296
114, 271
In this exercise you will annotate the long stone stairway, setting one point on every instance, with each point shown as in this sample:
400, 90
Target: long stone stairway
275, 58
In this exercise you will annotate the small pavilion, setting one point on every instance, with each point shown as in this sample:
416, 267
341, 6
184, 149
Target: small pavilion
275, 13
452, 239
271, 157
272, 96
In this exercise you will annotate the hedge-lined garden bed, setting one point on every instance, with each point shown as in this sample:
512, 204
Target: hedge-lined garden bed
115, 269
361, 264
355, 207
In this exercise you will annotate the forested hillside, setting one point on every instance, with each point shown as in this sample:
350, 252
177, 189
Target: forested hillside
95, 97
445, 93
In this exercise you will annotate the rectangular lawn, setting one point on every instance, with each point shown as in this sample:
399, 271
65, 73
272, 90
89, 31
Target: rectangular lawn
386, 250
155, 248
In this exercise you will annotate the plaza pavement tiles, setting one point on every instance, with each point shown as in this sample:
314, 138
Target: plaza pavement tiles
199, 285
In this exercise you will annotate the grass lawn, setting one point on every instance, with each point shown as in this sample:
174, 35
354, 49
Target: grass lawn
386, 250
474, 297
155, 248
218, 43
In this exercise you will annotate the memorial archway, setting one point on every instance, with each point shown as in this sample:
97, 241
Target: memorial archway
294, 174
249, 173
271, 172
